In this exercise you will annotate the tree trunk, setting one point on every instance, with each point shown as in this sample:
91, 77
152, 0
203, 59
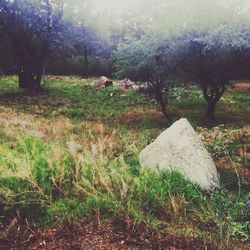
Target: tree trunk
212, 95
29, 80
38, 78
25, 78
159, 98
22, 79
38, 81
164, 111
211, 110
86, 60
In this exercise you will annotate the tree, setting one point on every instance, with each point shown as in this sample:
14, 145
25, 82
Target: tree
153, 61
213, 58
215, 42
31, 27
76, 11
7, 65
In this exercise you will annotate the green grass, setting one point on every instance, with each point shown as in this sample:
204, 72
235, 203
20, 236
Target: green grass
39, 176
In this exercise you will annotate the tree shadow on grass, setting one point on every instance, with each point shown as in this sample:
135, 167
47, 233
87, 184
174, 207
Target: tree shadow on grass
117, 112
41, 103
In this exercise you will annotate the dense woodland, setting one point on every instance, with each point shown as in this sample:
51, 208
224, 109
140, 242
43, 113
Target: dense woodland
183, 56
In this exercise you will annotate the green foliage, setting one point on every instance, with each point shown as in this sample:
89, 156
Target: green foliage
228, 213
67, 210
49, 185
35, 24
178, 43
118, 187
210, 54
247, 162
148, 59
108, 102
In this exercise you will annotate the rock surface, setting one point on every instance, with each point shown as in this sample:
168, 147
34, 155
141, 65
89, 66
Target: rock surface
179, 148
126, 84
103, 82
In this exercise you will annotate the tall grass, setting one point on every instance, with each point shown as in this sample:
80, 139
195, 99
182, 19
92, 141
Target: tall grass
64, 187
43, 181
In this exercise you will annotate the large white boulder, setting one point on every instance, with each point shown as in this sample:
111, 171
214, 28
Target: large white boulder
179, 148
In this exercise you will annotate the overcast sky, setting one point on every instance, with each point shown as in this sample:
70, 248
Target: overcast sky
114, 5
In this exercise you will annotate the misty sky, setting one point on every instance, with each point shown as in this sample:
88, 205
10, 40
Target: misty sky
163, 15
114, 5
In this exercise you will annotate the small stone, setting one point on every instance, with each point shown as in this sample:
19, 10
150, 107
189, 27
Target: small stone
103, 82
126, 84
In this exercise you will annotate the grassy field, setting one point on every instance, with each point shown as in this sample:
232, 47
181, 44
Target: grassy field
99, 176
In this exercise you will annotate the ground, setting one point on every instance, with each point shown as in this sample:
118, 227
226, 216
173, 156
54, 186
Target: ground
52, 196
107, 236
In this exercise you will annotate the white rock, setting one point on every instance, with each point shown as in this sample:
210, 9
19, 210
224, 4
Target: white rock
104, 78
126, 84
179, 148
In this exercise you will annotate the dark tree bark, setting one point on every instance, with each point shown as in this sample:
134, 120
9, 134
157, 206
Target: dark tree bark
86, 61
212, 93
213, 84
159, 98
31, 37
21, 78
28, 79
210, 114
